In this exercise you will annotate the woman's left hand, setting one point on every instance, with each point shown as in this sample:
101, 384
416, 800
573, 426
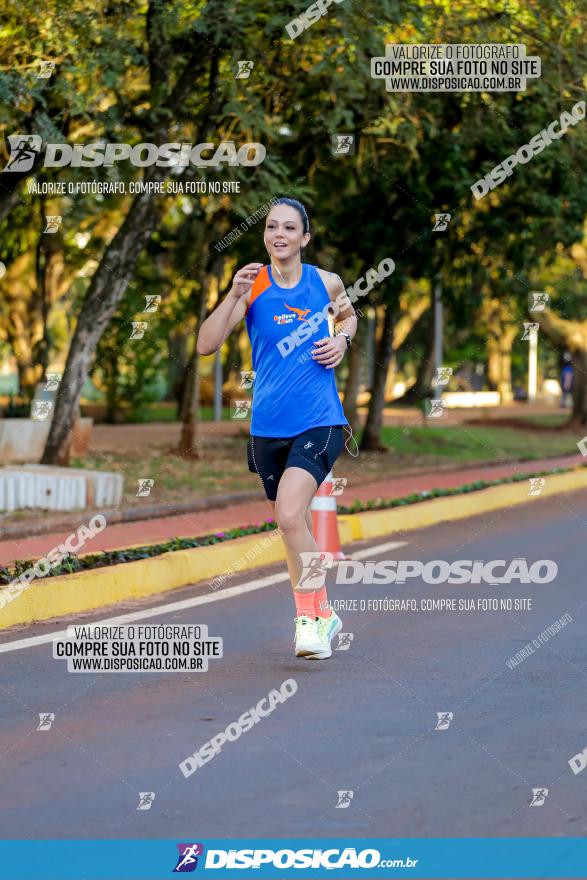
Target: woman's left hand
329, 351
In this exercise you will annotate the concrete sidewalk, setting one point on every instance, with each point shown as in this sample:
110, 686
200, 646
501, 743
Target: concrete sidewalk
121, 535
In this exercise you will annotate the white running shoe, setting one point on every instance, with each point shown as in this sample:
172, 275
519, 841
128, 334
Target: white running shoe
327, 628
307, 639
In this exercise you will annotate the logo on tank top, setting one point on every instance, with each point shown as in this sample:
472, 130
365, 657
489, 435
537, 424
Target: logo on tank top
294, 313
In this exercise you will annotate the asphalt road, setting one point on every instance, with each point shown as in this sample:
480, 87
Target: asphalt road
363, 721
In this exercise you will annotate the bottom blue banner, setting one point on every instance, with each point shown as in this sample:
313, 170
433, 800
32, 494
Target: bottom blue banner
532, 857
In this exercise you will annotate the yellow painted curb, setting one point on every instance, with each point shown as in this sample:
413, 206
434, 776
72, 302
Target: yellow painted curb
88, 590
452, 507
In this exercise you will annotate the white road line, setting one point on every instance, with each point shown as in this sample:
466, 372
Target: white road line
158, 610
379, 548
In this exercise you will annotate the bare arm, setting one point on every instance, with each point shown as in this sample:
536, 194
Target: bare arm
346, 319
220, 324
329, 351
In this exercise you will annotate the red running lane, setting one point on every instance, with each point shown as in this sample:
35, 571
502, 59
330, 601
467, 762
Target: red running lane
122, 535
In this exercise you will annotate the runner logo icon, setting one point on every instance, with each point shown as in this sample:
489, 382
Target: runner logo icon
444, 719
344, 799
46, 719
188, 857
314, 565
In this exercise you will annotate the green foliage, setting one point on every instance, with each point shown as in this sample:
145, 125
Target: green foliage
128, 370
118, 76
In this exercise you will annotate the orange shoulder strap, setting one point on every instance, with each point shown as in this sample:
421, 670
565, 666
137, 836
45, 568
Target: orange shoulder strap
261, 283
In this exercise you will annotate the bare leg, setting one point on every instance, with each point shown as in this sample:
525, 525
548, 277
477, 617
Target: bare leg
291, 571
310, 527
309, 519
294, 495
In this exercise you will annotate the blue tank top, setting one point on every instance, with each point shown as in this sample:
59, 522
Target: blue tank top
291, 392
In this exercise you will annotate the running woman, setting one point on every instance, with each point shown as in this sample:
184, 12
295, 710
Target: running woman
297, 418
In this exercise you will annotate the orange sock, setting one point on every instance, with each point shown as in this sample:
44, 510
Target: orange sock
305, 604
321, 607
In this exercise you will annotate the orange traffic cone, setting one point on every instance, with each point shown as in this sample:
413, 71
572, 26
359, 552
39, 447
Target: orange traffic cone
324, 522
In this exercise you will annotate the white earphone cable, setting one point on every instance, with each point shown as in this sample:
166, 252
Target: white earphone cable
354, 455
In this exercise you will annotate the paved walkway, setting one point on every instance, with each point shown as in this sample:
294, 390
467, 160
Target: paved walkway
121, 535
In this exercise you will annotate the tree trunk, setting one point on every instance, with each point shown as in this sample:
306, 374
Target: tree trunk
181, 386
499, 363
493, 364
27, 379
106, 290
351, 389
188, 443
505, 383
212, 278
49, 274
572, 336
232, 366
390, 378
177, 348
371, 439
110, 375
422, 386
22, 368
370, 346
408, 317
501, 332
579, 414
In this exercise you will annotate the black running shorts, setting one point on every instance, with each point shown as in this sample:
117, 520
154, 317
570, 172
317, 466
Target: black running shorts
314, 450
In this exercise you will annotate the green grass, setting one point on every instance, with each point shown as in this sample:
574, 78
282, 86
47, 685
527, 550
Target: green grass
159, 412
207, 413
469, 443
554, 420
167, 412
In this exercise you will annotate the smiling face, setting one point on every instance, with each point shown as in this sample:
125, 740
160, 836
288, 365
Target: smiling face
284, 232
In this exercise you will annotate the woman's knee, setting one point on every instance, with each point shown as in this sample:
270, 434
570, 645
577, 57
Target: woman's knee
288, 518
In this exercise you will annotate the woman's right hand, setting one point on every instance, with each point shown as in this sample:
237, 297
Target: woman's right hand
244, 278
